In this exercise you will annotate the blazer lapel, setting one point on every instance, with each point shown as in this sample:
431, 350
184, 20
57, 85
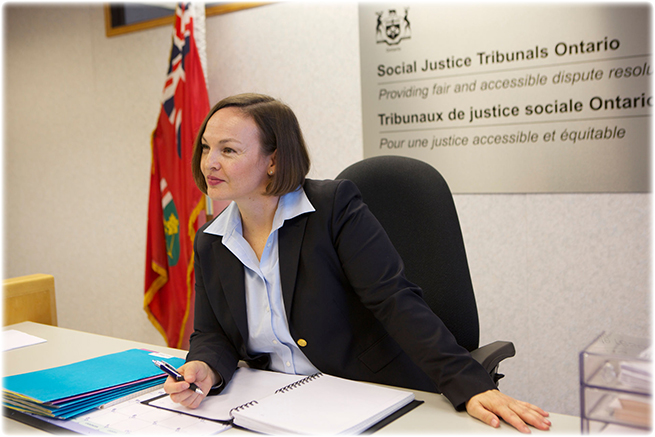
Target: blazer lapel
290, 239
233, 284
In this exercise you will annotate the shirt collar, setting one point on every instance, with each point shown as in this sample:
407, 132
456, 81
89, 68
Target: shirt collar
289, 206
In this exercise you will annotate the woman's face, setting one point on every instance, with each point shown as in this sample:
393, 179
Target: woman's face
232, 160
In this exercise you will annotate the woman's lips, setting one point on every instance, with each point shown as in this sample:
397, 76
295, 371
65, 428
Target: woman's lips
213, 181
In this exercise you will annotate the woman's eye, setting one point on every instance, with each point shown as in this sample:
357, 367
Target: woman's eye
204, 147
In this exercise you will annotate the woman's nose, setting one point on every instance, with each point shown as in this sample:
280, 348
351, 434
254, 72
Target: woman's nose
212, 160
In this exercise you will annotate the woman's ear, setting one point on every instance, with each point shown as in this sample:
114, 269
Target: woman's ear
271, 164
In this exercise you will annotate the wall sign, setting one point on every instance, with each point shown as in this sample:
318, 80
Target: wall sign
513, 98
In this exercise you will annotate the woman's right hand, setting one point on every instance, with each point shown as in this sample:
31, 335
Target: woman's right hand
197, 372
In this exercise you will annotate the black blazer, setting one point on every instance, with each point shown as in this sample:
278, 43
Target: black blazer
345, 297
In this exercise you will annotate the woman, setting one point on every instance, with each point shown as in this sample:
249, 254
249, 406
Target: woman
297, 276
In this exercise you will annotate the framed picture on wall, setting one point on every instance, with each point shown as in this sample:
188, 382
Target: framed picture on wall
121, 18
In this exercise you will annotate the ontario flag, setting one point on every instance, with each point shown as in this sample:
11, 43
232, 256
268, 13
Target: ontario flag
175, 203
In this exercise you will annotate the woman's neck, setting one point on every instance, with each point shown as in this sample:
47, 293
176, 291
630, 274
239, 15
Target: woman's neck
257, 221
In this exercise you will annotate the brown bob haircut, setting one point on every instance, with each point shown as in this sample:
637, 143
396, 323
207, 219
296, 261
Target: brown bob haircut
278, 130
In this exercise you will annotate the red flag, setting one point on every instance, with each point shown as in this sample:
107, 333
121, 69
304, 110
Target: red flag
175, 202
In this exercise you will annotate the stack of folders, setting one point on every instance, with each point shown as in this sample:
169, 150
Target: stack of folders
67, 391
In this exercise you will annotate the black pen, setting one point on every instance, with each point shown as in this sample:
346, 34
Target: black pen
170, 370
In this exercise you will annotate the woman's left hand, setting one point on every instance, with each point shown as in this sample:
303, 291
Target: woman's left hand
491, 405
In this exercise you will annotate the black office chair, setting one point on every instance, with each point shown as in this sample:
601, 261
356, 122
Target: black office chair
415, 206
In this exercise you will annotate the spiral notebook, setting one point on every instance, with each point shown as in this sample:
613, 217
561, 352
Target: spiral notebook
277, 403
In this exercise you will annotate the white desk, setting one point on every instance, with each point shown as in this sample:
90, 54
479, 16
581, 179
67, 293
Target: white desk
65, 346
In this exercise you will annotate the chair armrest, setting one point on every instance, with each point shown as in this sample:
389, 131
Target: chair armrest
492, 354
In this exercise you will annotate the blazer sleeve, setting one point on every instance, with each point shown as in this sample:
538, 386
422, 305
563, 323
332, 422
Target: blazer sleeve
376, 273
208, 342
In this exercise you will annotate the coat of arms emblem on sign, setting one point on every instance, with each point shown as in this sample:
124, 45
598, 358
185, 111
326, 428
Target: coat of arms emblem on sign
392, 28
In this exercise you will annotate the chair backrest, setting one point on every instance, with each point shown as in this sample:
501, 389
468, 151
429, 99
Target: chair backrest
413, 203
29, 298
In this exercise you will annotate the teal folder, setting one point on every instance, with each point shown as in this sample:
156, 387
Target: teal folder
67, 391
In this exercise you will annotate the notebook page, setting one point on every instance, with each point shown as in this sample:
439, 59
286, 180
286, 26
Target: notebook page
246, 385
324, 405
13, 339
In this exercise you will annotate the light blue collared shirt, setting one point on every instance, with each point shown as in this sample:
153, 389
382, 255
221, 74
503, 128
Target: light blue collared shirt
268, 329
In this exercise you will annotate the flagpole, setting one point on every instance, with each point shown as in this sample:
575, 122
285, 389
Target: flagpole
200, 33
